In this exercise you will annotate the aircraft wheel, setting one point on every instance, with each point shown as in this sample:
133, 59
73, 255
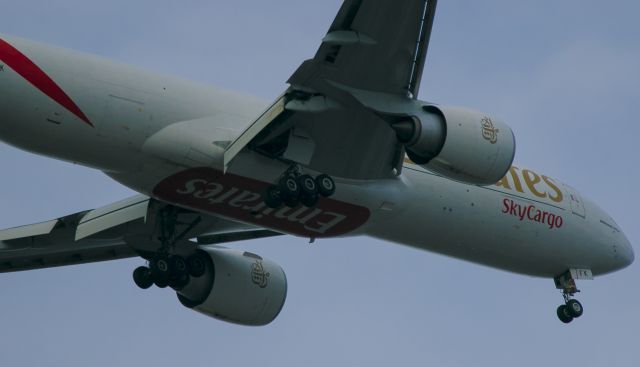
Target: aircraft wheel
196, 265
161, 282
309, 200
180, 282
326, 185
563, 314
292, 202
160, 267
574, 308
272, 197
307, 185
178, 266
142, 277
289, 187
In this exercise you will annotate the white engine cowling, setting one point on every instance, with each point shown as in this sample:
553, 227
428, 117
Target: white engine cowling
459, 143
238, 287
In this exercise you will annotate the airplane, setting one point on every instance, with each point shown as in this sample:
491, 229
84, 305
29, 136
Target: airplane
346, 150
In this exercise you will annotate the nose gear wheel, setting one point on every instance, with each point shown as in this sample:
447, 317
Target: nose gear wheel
572, 308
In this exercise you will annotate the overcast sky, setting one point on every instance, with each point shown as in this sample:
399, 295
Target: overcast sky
563, 74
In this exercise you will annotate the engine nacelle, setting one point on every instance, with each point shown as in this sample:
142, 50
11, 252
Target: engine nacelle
459, 143
237, 286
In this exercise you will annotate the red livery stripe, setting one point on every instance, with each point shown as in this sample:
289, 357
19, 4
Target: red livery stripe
34, 75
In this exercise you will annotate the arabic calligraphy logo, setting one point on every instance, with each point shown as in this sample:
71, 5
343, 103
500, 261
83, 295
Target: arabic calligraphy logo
489, 132
259, 277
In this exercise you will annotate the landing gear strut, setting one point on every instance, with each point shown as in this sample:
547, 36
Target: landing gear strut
165, 268
572, 308
294, 188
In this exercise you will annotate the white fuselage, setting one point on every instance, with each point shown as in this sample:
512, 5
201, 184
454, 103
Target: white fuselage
528, 223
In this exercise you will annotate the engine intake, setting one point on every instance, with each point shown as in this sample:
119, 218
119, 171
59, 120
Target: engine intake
238, 287
458, 143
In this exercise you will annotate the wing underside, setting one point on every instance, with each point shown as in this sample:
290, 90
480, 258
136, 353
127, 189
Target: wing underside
124, 229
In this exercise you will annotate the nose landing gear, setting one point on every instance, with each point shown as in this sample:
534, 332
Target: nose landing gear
572, 308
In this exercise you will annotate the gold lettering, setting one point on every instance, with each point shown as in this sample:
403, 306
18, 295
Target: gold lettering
516, 179
531, 179
558, 197
504, 182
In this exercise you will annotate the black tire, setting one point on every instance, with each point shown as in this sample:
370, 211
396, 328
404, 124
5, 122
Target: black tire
180, 282
142, 277
160, 267
289, 188
308, 186
309, 201
292, 202
197, 265
272, 197
161, 282
563, 314
178, 266
574, 308
326, 185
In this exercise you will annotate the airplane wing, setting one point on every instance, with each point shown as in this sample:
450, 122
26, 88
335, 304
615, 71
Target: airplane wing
124, 229
373, 45
331, 118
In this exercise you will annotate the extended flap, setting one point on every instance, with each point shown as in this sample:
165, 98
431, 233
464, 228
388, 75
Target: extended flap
270, 114
110, 216
30, 230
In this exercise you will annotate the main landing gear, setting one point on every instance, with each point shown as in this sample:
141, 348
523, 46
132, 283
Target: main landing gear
294, 188
173, 271
571, 308
165, 267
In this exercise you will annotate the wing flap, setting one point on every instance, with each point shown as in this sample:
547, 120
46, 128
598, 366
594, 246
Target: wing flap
113, 215
30, 230
120, 230
275, 111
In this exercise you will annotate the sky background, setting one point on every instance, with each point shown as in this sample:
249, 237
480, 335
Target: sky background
563, 74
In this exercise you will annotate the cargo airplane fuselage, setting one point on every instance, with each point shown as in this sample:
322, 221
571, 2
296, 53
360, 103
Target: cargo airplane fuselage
113, 118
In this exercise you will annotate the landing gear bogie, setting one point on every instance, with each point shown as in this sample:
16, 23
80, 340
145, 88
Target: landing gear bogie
294, 188
166, 268
170, 271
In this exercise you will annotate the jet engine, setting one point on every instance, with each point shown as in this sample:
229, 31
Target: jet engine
238, 287
458, 143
